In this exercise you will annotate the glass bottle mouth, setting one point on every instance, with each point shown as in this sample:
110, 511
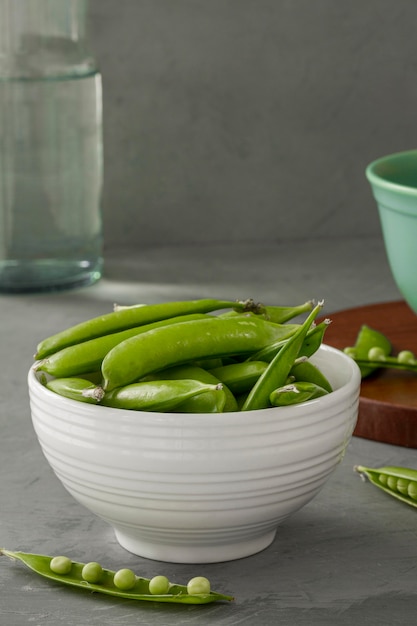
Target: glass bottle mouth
43, 38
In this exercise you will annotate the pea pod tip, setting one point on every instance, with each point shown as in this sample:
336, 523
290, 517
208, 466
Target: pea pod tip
361, 470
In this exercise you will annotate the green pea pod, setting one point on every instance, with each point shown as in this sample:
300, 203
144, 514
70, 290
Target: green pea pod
239, 377
399, 482
208, 364
366, 339
41, 564
93, 377
279, 368
295, 393
76, 389
208, 402
314, 338
282, 314
88, 356
308, 372
182, 343
194, 372
156, 395
276, 314
129, 317
311, 343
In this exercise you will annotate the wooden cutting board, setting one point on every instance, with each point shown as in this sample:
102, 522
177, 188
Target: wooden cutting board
388, 400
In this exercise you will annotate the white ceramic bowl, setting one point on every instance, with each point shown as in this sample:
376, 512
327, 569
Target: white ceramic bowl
198, 488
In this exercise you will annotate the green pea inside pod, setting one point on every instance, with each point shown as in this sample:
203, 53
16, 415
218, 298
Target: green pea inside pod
398, 482
123, 583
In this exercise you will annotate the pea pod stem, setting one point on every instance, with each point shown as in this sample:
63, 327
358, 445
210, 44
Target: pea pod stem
40, 564
282, 314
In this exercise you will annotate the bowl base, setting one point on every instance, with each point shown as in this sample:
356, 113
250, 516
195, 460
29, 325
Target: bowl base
194, 553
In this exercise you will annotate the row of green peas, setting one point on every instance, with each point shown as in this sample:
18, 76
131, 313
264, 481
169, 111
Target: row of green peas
125, 578
373, 350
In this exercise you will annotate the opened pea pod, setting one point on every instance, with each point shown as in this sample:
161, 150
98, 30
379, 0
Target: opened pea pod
123, 583
372, 351
398, 482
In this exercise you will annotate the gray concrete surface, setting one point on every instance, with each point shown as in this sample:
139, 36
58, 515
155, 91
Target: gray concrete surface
348, 557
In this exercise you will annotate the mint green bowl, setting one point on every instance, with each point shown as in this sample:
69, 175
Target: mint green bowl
393, 180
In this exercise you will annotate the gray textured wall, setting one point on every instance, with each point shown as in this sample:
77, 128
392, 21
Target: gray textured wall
250, 120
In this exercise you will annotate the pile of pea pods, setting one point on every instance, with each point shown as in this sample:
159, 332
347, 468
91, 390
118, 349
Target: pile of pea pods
193, 356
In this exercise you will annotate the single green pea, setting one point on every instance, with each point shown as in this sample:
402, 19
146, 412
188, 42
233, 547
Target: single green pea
412, 490
159, 585
406, 356
350, 351
92, 572
197, 585
383, 479
367, 339
402, 486
392, 482
124, 579
376, 353
61, 565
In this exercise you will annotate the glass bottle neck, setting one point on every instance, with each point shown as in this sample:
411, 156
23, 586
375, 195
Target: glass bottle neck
43, 38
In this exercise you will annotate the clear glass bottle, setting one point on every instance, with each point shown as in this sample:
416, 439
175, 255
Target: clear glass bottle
51, 156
